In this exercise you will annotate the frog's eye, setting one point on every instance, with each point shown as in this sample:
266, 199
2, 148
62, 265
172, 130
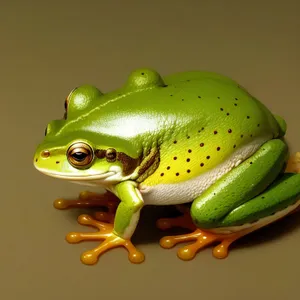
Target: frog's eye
80, 155
111, 155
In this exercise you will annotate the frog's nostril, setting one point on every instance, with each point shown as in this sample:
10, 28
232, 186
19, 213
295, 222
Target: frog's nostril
45, 154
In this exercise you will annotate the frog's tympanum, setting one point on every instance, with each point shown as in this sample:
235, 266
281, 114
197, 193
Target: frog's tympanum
196, 140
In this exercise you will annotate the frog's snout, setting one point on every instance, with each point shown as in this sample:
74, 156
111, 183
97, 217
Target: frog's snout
44, 154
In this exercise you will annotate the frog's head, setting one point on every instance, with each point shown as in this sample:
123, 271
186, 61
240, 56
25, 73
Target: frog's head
74, 151
84, 161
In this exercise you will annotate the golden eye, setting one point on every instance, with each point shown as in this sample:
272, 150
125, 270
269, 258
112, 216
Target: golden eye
111, 155
80, 155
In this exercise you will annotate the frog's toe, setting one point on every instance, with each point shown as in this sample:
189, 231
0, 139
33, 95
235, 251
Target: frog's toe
61, 203
105, 234
201, 239
89, 199
188, 252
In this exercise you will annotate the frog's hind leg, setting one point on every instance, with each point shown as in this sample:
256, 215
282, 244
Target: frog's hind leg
279, 200
216, 211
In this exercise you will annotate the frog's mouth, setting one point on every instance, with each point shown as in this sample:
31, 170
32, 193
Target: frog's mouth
77, 177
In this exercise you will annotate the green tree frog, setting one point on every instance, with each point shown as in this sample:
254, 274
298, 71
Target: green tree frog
196, 140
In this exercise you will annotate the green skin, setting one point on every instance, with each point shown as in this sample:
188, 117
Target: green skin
152, 119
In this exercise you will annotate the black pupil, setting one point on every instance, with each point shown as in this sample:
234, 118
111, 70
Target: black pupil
79, 156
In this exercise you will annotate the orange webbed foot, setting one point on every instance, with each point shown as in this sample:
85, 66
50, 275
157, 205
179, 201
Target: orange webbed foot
105, 234
89, 199
200, 238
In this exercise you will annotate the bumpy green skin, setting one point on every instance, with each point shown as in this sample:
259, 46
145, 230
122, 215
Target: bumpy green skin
170, 130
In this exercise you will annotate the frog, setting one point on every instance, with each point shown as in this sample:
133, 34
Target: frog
194, 140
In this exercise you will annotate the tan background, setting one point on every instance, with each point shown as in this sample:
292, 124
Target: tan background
50, 47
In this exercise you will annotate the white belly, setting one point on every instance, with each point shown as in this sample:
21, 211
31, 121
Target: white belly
187, 191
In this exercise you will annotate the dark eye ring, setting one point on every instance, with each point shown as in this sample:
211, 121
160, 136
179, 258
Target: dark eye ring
111, 155
80, 155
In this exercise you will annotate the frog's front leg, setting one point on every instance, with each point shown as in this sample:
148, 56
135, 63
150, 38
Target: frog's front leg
117, 234
251, 196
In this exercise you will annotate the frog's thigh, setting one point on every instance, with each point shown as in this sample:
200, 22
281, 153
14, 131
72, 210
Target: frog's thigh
278, 200
240, 185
